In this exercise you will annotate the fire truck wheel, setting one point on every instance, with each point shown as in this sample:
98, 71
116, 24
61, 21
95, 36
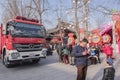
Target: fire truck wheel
35, 60
6, 61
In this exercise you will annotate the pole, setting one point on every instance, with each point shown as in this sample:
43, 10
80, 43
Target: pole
76, 21
60, 26
86, 16
114, 38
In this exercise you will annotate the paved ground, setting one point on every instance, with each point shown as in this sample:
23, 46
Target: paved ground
51, 69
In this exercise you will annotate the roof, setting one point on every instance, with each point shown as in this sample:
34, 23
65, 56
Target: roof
52, 30
67, 27
64, 26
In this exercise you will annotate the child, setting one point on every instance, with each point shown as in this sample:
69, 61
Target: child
93, 57
109, 71
65, 55
97, 51
108, 50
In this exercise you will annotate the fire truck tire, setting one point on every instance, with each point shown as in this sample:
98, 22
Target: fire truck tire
35, 60
6, 61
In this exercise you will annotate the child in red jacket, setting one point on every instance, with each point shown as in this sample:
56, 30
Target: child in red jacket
108, 50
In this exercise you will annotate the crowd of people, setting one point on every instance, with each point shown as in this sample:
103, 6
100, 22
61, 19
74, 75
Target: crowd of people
65, 53
80, 54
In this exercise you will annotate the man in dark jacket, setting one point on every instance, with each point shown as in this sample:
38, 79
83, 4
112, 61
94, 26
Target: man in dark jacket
59, 51
80, 54
109, 71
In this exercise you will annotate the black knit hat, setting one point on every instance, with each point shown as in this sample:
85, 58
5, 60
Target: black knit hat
85, 40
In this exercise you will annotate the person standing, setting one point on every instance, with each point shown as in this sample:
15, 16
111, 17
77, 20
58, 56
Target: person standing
71, 43
97, 51
80, 54
65, 40
59, 51
109, 71
65, 55
108, 50
71, 59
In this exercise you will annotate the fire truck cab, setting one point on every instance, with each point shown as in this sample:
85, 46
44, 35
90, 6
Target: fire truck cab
22, 39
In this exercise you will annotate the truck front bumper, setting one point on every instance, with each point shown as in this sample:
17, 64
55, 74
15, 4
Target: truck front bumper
15, 55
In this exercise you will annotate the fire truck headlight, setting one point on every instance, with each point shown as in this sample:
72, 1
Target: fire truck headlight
44, 52
15, 55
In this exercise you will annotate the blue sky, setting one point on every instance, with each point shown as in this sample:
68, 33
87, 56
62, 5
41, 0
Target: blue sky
110, 4
50, 16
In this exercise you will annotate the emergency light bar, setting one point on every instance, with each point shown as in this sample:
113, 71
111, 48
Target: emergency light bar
27, 19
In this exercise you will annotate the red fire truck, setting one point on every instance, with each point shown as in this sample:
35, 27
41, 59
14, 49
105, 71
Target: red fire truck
22, 39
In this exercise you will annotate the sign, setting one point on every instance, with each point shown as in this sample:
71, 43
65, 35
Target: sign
106, 38
96, 39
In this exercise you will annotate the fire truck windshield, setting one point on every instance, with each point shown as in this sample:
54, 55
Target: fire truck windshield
28, 30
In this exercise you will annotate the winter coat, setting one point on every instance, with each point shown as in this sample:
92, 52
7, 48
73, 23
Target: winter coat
108, 50
79, 58
65, 52
109, 73
93, 52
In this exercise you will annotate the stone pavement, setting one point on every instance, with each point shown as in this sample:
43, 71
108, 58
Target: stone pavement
94, 71
51, 69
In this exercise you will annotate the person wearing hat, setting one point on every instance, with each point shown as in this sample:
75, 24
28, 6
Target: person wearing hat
109, 71
80, 54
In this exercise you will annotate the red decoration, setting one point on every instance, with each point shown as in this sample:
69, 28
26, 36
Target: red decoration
106, 38
96, 39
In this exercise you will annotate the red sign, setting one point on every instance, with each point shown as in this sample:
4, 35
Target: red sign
96, 39
106, 38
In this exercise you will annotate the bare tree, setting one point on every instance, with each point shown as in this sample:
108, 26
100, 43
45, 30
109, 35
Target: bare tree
40, 7
29, 8
15, 8
100, 19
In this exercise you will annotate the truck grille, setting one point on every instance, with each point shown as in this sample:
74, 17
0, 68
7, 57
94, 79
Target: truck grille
28, 47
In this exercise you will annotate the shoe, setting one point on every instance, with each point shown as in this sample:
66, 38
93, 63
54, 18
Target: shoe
72, 64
